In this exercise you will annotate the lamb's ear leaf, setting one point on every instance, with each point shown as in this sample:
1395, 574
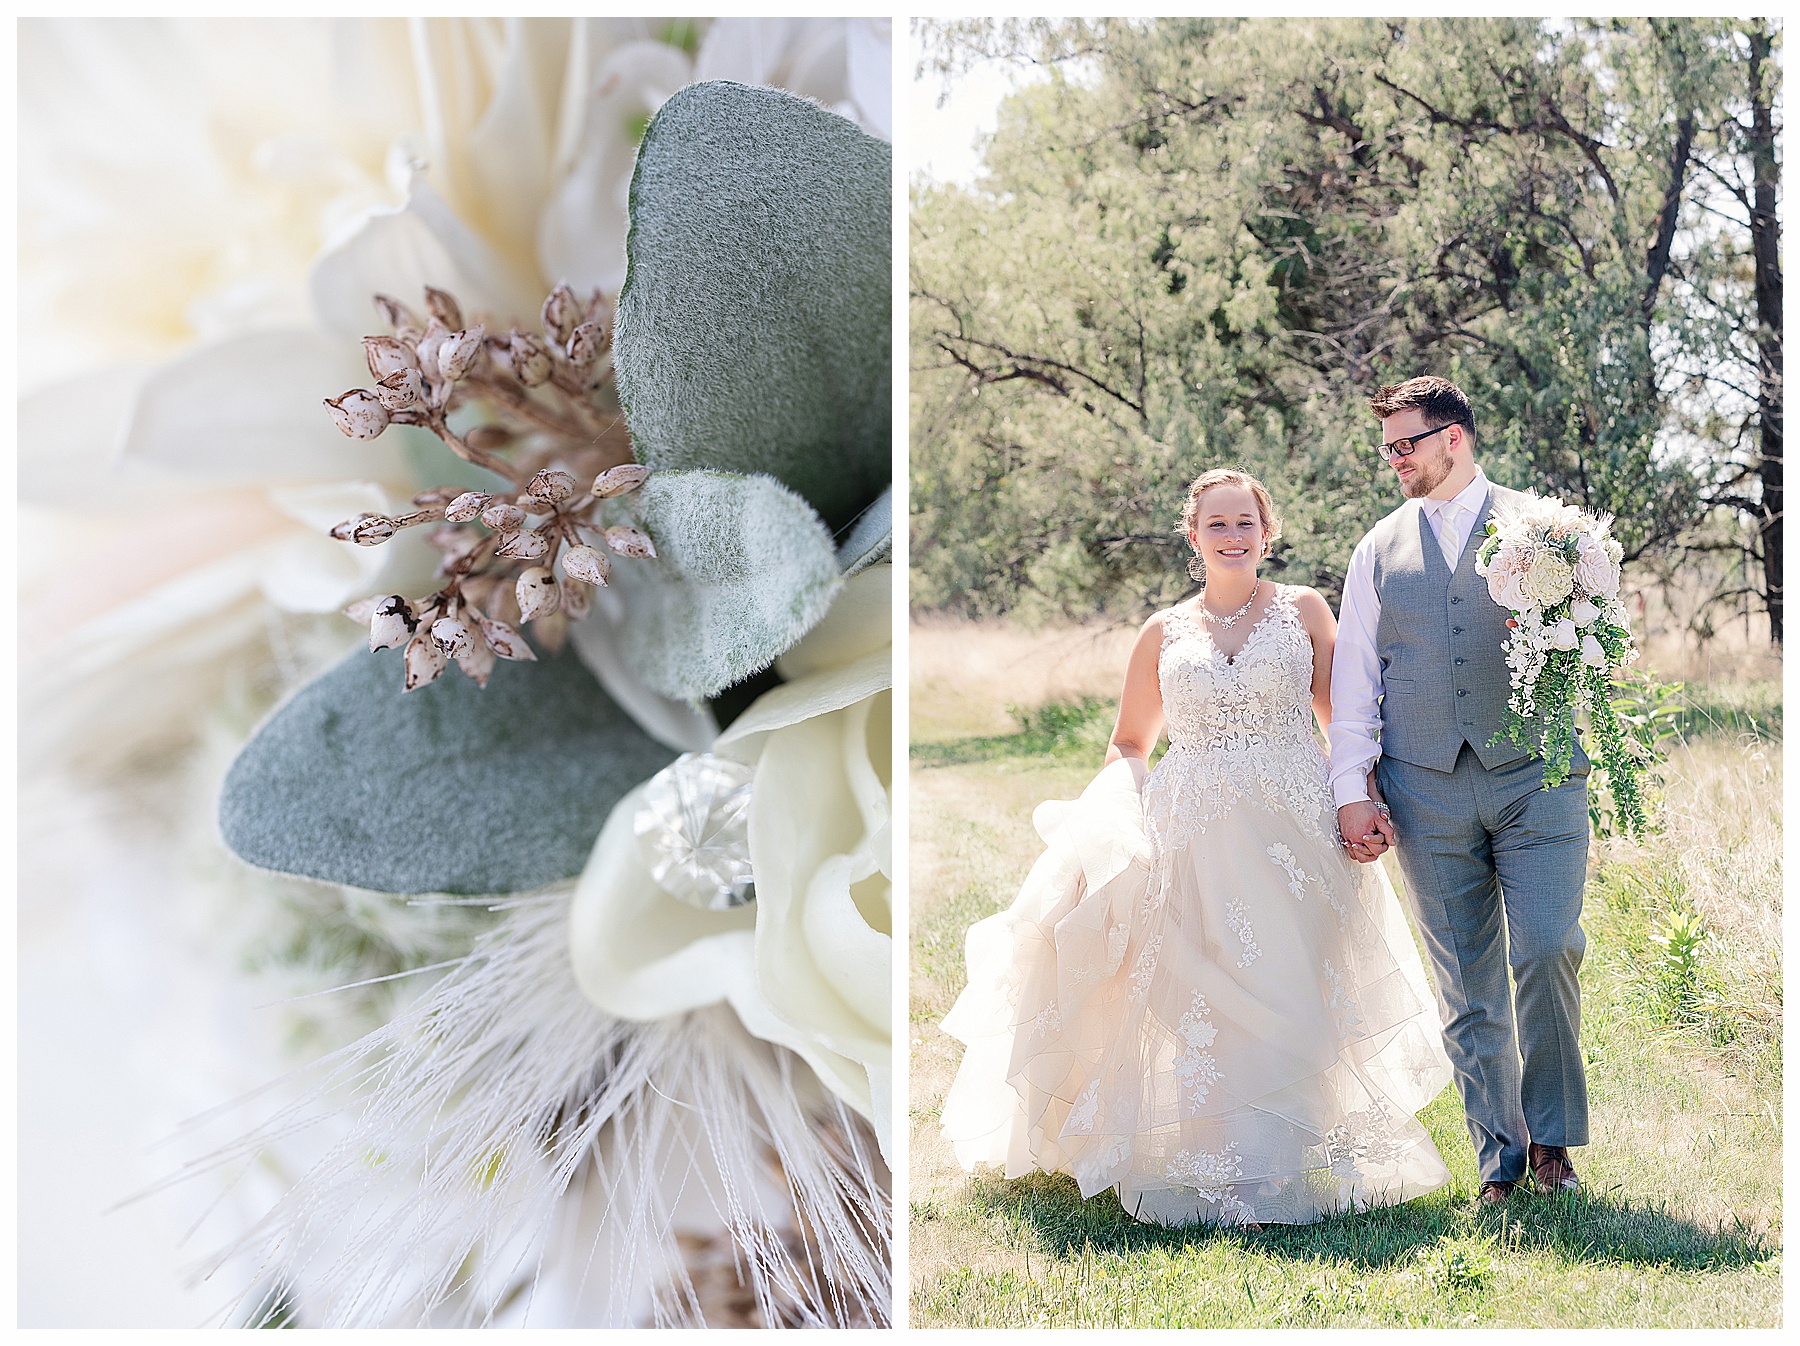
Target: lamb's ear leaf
754, 326
447, 789
870, 538
743, 569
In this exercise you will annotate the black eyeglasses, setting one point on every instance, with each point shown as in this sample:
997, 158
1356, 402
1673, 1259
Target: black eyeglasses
1402, 448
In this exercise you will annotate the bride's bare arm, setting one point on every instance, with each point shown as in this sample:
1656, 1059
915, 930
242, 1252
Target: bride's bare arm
1140, 719
1315, 612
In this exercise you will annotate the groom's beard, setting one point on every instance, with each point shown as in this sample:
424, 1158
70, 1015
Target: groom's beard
1426, 477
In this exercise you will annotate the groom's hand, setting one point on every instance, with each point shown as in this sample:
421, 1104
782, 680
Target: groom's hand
1366, 830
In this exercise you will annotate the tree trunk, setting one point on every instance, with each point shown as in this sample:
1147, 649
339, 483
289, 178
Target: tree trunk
1765, 238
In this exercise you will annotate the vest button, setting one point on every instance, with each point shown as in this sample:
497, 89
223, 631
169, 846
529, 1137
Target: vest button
1462, 661
1456, 630
1456, 600
1462, 691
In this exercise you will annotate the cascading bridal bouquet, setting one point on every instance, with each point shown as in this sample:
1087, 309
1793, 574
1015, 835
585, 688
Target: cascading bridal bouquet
1557, 570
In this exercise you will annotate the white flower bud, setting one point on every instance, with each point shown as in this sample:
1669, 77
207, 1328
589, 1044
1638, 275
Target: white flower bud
586, 564
453, 634
576, 600
443, 306
502, 517
618, 480
584, 346
396, 315
467, 506
1562, 635
529, 359
372, 531
425, 660
504, 640
477, 661
457, 356
629, 541
525, 545
1593, 653
1582, 612
561, 312
391, 623
388, 355
552, 484
358, 413
537, 594
552, 631
400, 390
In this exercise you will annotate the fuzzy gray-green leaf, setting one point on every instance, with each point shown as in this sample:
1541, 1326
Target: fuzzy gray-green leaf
743, 569
448, 789
754, 326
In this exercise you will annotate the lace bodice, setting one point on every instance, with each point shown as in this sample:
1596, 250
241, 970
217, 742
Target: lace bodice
1239, 727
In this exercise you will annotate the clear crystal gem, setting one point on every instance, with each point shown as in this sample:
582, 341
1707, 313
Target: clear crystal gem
693, 830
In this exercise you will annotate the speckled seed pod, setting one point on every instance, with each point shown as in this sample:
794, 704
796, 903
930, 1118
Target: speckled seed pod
537, 594
396, 315
391, 623
576, 600
629, 541
358, 413
453, 634
388, 355
430, 341
372, 531
401, 389
477, 661
552, 484
584, 346
525, 545
467, 506
502, 517
443, 306
457, 356
529, 359
561, 312
425, 660
346, 531
587, 564
505, 641
618, 480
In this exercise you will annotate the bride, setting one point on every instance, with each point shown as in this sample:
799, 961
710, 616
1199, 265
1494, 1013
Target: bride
1197, 998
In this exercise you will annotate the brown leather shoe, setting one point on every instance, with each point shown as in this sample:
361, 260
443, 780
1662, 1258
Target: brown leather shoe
1551, 1169
1495, 1193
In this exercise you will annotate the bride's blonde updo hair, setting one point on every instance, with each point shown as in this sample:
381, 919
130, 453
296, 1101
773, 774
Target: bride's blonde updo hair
1228, 476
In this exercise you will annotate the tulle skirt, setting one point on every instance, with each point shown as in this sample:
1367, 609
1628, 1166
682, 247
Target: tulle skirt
1228, 1024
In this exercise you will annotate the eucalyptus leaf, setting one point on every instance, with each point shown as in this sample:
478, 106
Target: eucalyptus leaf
743, 569
870, 538
447, 789
754, 327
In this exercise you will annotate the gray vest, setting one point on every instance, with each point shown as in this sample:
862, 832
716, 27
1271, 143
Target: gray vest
1443, 675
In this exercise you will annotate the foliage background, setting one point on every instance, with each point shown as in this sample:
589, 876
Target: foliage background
1205, 241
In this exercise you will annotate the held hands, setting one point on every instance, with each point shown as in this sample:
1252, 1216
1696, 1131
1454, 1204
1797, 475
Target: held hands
1366, 828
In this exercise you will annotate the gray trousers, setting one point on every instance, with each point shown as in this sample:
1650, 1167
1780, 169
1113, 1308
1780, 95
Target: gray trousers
1494, 867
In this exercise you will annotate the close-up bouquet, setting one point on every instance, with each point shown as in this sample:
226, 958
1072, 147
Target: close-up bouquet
456, 736
1557, 570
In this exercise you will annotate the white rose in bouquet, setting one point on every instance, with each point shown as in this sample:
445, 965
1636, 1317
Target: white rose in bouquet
1548, 581
1597, 571
1582, 612
1506, 576
1563, 635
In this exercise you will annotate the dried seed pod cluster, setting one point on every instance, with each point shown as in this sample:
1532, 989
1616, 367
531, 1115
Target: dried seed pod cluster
551, 423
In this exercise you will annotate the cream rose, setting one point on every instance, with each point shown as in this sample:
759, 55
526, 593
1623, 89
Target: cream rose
1548, 581
1596, 571
1506, 574
807, 964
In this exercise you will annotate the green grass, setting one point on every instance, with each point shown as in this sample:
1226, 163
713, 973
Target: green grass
1679, 1224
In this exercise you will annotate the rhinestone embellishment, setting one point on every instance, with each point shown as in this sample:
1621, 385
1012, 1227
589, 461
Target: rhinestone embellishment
693, 831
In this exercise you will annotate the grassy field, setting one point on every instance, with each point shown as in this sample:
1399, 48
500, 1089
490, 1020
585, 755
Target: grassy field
1680, 1221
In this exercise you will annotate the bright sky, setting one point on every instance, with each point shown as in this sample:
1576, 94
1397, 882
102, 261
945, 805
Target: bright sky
944, 146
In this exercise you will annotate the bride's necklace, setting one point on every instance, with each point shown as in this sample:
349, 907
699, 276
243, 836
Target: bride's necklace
1232, 620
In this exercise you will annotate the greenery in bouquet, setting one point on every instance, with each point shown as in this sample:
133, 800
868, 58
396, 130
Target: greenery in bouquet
1557, 570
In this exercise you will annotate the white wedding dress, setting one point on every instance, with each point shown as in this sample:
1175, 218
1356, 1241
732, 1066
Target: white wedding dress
1198, 999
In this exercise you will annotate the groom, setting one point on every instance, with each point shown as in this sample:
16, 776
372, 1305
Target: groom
1494, 864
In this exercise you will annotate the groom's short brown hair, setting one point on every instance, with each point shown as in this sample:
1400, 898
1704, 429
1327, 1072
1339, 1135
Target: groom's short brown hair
1440, 401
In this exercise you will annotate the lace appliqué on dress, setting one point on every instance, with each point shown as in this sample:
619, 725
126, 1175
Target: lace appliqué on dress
1195, 1068
1085, 1109
1239, 921
1343, 1009
1211, 1175
1144, 969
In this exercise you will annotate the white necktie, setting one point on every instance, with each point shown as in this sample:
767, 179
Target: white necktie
1447, 533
